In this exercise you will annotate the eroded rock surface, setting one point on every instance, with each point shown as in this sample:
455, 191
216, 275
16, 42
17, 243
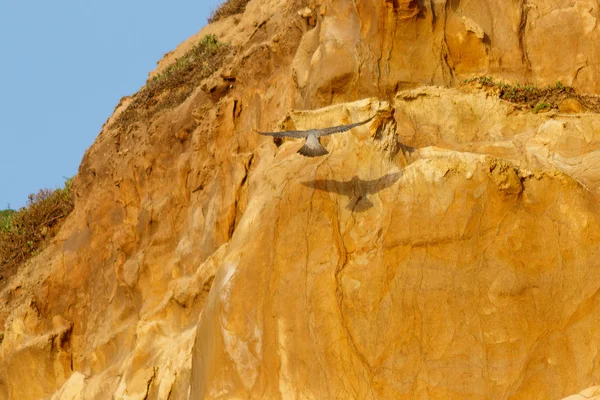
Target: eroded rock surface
445, 285
448, 249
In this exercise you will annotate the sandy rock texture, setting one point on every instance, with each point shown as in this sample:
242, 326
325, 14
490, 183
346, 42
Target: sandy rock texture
388, 271
449, 249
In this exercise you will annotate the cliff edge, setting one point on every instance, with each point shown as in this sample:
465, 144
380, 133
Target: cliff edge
448, 249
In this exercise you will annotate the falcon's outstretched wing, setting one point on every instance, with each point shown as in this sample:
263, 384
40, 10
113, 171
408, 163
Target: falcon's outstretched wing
291, 134
341, 128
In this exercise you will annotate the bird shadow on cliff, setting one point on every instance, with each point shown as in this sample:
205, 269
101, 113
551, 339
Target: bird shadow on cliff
356, 189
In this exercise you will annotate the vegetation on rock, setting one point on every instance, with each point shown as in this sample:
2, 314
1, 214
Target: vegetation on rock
5, 218
229, 7
541, 107
175, 83
535, 98
23, 233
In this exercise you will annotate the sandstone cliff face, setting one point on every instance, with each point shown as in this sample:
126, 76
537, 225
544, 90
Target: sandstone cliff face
448, 249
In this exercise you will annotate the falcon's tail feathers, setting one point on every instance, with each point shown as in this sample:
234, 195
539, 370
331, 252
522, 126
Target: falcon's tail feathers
313, 151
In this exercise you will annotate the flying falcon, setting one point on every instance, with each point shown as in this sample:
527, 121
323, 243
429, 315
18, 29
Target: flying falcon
313, 147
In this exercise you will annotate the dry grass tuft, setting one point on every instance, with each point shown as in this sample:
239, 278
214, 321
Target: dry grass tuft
23, 233
173, 85
230, 7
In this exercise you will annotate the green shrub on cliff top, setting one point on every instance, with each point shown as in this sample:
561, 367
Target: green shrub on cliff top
176, 82
5, 216
198, 57
24, 232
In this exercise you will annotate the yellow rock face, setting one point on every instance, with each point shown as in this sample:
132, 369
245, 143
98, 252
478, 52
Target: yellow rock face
570, 106
449, 249
444, 285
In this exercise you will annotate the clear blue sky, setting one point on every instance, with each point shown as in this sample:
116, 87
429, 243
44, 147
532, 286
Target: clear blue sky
64, 66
